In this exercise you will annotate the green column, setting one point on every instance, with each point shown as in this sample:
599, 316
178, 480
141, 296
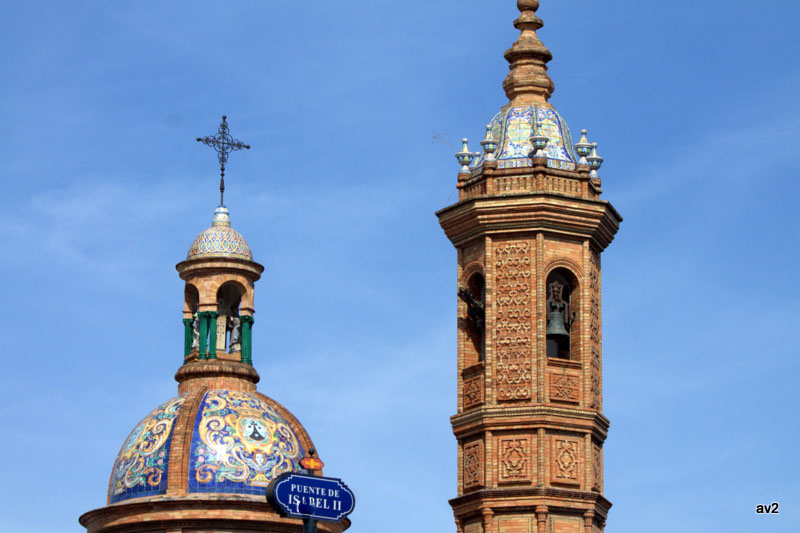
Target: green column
202, 316
247, 339
212, 335
187, 338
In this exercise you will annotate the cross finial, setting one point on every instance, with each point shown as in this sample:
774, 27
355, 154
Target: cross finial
224, 144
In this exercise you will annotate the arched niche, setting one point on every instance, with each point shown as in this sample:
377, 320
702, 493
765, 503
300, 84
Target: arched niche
473, 294
562, 314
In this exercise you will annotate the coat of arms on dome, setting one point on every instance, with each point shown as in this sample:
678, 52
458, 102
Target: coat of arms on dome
141, 466
240, 443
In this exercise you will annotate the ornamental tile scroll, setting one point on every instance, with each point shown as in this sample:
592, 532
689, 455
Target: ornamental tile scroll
564, 387
473, 391
594, 330
514, 459
141, 466
566, 461
513, 320
473, 464
240, 444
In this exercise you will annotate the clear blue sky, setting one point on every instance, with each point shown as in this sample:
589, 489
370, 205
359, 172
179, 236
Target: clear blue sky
695, 106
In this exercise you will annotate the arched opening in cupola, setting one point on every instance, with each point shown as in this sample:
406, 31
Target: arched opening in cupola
229, 326
191, 323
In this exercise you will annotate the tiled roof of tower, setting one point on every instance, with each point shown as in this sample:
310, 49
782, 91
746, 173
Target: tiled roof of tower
512, 128
528, 113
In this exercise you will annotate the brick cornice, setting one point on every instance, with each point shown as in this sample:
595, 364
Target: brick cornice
219, 265
531, 416
206, 372
550, 212
233, 512
527, 498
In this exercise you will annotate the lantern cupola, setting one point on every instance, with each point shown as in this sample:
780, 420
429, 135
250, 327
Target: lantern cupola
202, 460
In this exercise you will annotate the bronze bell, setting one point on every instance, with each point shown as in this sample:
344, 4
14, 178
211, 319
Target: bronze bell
555, 320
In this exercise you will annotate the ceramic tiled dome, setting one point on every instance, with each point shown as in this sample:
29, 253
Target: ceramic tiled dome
512, 128
220, 240
238, 442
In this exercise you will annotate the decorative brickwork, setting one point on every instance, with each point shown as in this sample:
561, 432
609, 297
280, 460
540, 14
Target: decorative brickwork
473, 391
514, 459
566, 460
594, 330
473, 464
513, 320
597, 468
564, 387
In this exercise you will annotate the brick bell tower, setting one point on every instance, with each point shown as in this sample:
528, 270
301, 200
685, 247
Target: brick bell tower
529, 227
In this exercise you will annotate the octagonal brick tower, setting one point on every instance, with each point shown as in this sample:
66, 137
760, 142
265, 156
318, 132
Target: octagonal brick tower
529, 227
201, 461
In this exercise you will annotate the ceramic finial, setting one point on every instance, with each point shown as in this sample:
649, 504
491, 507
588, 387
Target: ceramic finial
465, 157
583, 148
595, 162
489, 144
538, 140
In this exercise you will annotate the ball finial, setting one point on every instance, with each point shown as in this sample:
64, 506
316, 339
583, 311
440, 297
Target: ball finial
523, 5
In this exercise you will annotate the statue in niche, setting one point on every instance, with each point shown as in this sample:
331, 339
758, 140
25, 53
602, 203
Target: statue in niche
223, 312
235, 328
195, 332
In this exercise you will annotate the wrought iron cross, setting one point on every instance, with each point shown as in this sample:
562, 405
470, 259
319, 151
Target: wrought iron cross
224, 144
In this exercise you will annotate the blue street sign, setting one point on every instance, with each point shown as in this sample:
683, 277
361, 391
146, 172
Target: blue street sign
304, 496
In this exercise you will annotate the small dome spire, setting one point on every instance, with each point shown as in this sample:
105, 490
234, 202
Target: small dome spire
528, 81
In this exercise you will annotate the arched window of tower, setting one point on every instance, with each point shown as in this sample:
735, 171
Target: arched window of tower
561, 312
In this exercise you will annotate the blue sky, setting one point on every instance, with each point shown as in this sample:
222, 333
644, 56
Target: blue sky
694, 105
